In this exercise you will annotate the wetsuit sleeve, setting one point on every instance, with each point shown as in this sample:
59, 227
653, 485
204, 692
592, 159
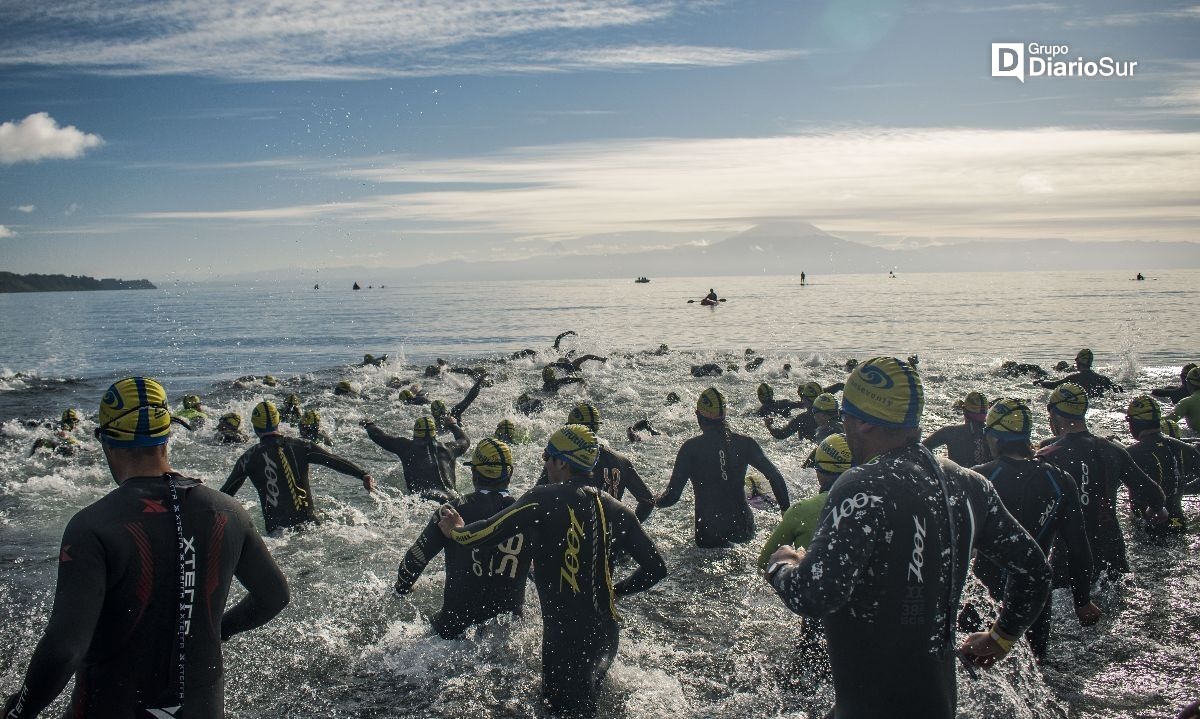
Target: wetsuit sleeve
937, 439
1052, 383
1073, 532
852, 522
324, 457
787, 430
461, 442
637, 487
503, 525
835, 388
238, 475
266, 587
1003, 540
757, 459
396, 445
78, 599
629, 536
787, 528
679, 478
1142, 489
427, 546
458, 409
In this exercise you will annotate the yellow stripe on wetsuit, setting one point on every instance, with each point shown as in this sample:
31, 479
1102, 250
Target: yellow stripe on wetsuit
466, 538
605, 544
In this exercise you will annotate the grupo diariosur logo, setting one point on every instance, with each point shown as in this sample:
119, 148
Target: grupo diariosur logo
1026, 60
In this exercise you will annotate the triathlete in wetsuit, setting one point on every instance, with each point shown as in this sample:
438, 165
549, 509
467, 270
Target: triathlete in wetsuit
1045, 500
613, 472
1170, 463
575, 365
804, 424
438, 408
825, 413
559, 338
63, 443
768, 406
527, 405
886, 567
1094, 383
831, 458
1174, 394
707, 370
572, 531
414, 395
1098, 465
428, 464
486, 580
1012, 368
552, 382
192, 412
964, 443
229, 429
310, 429
715, 462
278, 468
123, 582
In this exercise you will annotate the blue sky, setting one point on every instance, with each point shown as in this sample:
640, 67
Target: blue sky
196, 140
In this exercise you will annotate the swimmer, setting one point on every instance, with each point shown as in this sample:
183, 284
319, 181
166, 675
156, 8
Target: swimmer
559, 338
310, 429
508, 432
438, 408
552, 382
1045, 501
832, 457
229, 429
1166, 460
192, 412
769, 406
755, 363
292, 412
428, 464
414, 395
1175, 394
715, 463
710, 369
485, 581
1188, 408
63, 443
570, 526
1094, 383
370, 360
804, 424
575, 365
1022, 369
527, 405
965, 443
345, 389
278, 468
634, 432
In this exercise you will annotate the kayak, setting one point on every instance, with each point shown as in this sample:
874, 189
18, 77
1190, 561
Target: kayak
707, 302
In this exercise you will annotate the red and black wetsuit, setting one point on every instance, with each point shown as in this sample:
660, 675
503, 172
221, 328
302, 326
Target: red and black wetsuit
572, 531
965, 444
1171, 464
278, 468
117, 610
614, 473
1045, 500
482, 581
428, 464
1098, 465
715, 462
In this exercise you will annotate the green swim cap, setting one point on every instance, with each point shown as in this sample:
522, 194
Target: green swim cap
1009, 420
765, 393
1069, 400
311, 418
506, 430
810, 390
269, 381
406, 394
191, 401
232, 420
885, 391
1193, 378
69, 418
833, 454
437, 407
547, 374
293, 400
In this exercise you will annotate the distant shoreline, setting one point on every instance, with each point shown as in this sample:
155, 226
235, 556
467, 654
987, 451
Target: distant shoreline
11, 282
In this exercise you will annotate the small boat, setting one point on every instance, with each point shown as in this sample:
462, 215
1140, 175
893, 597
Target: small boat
356, 286
642, 280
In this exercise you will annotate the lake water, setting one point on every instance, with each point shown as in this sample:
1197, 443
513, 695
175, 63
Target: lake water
711, 640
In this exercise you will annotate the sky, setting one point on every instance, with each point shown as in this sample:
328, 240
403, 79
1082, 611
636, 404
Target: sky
203, 139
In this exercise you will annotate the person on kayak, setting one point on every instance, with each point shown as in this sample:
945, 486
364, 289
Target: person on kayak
712, 295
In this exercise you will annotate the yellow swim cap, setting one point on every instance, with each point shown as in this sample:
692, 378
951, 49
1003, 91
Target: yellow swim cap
506, 430
269, 381
344, 387
406, 395
424, 428
1070, 400
765, 393
885, 391
191, 401
69, 418
975, 406
233, 419
576, 445
311, 418
264, 418
711, 404
833, 454
1009, 420
1193, 378
810, 390
492, 459
293, 400
1170, 428
134, 413
1144, 409
825, 402
1084, 358
585, 413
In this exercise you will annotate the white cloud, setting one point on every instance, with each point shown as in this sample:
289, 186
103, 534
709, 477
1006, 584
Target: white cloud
27, 209
1142, 17
38, 137
342, 39
72, 209
7, 232
1085, 184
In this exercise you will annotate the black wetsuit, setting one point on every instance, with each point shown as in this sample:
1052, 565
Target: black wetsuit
1094, 383
278, 468
457, 410
715, 461
1098, 465
1045, 500
1173, 393
483, 581
553, 384
964, 443
878, 572
1019, 369
802, 424
559, 338
572, 530
1171, 464
428, 464
707, 370
778, 408
614, 473
116, 607
575, 365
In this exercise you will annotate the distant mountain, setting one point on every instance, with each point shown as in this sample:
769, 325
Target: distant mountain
10, 282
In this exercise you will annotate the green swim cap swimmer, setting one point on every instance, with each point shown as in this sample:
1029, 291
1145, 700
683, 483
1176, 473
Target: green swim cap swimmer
1070, 400
134, 413
506, 431
765, 394
424, 428
810, 390
885, 391
833, 454
344, 387
191, 401
1144, 409
585, 413
492, 459
711, 404
264, 418
269, 381
826, 403
406, 394
576, 445
1009, 420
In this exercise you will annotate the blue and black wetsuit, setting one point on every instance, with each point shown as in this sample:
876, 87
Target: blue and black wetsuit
1172, 465
572, 530
428, 464
482, 581
1045, 500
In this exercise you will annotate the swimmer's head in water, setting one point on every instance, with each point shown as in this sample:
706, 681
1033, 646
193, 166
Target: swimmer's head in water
69, 419
711, 404
975, 407
673, 397
424, 428
406, 395
437, 407
230, 421
191, 401
826, 403
1171, 428
576, 445
1144, 409
833, 454
1084, 359
265, 418
269, 381
585, 413
368, 358
765, 393
885, 391
343, 387
547, 374
810, 390
311, 418
134, 413
1009, 420
1069, 400
1193, 379
293, 400
492, 460
506, 430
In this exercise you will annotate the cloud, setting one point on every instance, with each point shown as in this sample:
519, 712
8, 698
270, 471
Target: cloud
1142, 17
27, 209
1086, 184
344, 39
72, 209
38, 137
7, 232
